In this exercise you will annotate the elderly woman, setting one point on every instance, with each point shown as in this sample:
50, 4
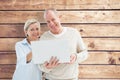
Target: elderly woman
25, 69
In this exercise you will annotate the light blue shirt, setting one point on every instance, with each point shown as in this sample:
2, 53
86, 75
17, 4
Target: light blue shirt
25, 71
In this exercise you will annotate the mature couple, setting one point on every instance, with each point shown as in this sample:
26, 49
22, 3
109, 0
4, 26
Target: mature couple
26, 70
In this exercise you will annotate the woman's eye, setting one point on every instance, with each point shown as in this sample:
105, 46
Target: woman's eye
37, 29
31, 29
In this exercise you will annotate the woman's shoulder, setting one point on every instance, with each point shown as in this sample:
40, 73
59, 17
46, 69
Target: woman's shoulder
22, 42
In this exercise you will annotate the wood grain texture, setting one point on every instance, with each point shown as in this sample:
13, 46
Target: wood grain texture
6, 79
94, 58
86, 71
99, 79
98, 21
6, 71
102, 58
8, 44
99, 71
59, 4
86, 30
102, 43
65, 16
79, 79
7, 58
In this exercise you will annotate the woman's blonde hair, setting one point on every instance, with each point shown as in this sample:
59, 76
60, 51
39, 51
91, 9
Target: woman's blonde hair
29, 22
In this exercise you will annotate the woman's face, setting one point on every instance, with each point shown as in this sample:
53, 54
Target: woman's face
33, 32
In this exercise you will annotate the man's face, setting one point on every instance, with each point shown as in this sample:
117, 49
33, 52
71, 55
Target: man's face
53, 22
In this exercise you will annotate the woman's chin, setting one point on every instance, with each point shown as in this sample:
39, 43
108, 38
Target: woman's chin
34, 39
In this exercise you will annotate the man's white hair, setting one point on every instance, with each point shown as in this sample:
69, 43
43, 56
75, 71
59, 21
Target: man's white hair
50, 9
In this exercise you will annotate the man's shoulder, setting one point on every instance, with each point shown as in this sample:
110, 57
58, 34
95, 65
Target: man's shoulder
45, 34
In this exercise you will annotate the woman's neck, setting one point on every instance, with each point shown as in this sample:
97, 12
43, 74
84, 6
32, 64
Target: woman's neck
29, 40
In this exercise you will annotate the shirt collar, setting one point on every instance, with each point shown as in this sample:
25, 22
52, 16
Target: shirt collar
58, 35
24, 41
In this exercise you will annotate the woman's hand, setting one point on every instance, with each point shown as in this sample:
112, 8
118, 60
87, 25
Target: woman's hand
29, 57
52, 63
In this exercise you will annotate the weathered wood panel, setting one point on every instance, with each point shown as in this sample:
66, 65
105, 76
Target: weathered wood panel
7, 58
86, 71
6, 71
79, 79
99, 71
7, 44
86, 30
103, 58
12, 30
94, 58
103, 43
66, 16
5, 79
59, 4
99, 79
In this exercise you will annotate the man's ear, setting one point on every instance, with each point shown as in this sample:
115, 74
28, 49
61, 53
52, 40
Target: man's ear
60, 16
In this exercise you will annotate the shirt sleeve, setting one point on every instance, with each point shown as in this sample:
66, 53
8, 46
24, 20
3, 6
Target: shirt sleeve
82, 53
43, 68
21, 56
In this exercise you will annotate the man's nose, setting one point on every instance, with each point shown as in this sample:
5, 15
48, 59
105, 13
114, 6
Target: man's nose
51, 22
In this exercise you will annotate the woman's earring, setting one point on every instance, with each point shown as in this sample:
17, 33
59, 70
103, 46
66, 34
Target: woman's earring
26, 35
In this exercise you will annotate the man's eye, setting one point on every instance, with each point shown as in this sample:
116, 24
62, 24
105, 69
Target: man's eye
48, 21
37, 29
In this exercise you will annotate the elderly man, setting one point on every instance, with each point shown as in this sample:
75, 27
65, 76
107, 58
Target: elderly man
63, 71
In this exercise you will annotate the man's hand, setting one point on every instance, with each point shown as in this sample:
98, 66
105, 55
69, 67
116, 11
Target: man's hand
73, 58
52, 63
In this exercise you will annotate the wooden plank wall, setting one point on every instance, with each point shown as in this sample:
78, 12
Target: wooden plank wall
98, 21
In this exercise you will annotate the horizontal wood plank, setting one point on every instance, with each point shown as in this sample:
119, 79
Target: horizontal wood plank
14, 30
99, 71
99, 79
102, 43
94, 58
8, 44
60, 4
79, 79
6, 79
86, 30
86, 71
7, 58
103, 58
66, 16
6, 71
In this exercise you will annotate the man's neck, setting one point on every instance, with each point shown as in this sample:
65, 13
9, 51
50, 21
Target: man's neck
58, 32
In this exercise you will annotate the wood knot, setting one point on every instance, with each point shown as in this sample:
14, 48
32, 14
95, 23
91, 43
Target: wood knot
92, 45
119, 58
103, 13
81, 30
112, 61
